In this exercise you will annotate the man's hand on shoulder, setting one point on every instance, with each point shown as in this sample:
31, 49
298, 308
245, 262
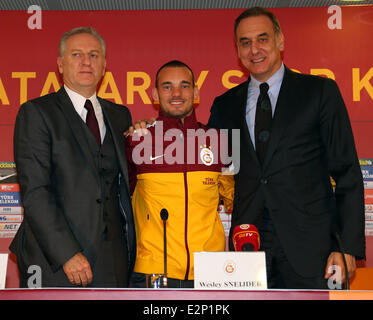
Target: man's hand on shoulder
139, 127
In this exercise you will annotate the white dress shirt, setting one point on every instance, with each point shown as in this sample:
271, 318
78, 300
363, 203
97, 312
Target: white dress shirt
79, 102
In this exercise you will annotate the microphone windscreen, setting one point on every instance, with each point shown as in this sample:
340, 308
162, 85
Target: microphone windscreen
246, 236
164, 214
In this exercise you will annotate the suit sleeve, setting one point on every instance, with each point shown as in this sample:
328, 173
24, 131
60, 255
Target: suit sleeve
344, 168
132, 171
43, 210
214, 120
132, 174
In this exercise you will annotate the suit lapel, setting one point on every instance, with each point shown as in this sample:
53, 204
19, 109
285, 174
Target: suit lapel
118, 138
241, 102
284, 112
75, 122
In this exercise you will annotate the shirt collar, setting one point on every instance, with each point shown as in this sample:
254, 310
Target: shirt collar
78, 100
273, 80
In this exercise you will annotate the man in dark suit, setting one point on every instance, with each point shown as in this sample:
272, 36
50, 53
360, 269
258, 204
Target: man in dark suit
295, 134
72, 170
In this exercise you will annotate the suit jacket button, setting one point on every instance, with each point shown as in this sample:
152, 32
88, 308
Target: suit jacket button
263, 181
99, 201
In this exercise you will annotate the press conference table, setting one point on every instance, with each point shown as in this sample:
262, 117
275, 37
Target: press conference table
180, 294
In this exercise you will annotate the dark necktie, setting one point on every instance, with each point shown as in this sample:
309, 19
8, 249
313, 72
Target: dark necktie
263, 120
91, 121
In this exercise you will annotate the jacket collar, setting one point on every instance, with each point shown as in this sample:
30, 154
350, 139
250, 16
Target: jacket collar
190, 121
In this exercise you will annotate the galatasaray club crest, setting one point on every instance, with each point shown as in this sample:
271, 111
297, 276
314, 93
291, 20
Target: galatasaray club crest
229, 267
206, 155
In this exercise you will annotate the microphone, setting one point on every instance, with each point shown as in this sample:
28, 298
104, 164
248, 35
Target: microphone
164, 217
246, 238
164, 214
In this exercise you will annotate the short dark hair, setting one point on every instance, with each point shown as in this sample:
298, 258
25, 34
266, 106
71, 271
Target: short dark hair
256, 12
174, 64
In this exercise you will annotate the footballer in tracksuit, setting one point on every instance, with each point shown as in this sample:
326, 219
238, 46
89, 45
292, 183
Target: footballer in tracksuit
176, 166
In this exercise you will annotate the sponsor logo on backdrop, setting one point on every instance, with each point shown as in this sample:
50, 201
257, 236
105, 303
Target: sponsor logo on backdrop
9, 226
368, 196
8, 173
11, 210
7, 234
369, 224
11, 218
367, 172
368, 184
7, 165
366, 162
368, 233
11, 199
13, 187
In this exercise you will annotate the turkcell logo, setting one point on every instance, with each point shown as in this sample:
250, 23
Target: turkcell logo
367, 172
10, 199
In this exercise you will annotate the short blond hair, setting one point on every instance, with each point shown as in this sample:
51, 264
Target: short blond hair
80, 30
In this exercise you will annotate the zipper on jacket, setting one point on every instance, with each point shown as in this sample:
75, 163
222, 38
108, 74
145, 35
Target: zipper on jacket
186, 204
186, 225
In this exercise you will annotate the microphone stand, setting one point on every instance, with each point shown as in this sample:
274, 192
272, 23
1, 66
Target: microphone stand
164, 217
343, 257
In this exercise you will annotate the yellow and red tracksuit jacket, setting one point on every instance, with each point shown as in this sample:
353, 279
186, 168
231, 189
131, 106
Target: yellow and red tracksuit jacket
188, 189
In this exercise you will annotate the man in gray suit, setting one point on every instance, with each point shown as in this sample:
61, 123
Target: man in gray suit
72, 170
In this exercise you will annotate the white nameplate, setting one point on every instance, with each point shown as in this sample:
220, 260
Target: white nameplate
230, 271
3, 266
